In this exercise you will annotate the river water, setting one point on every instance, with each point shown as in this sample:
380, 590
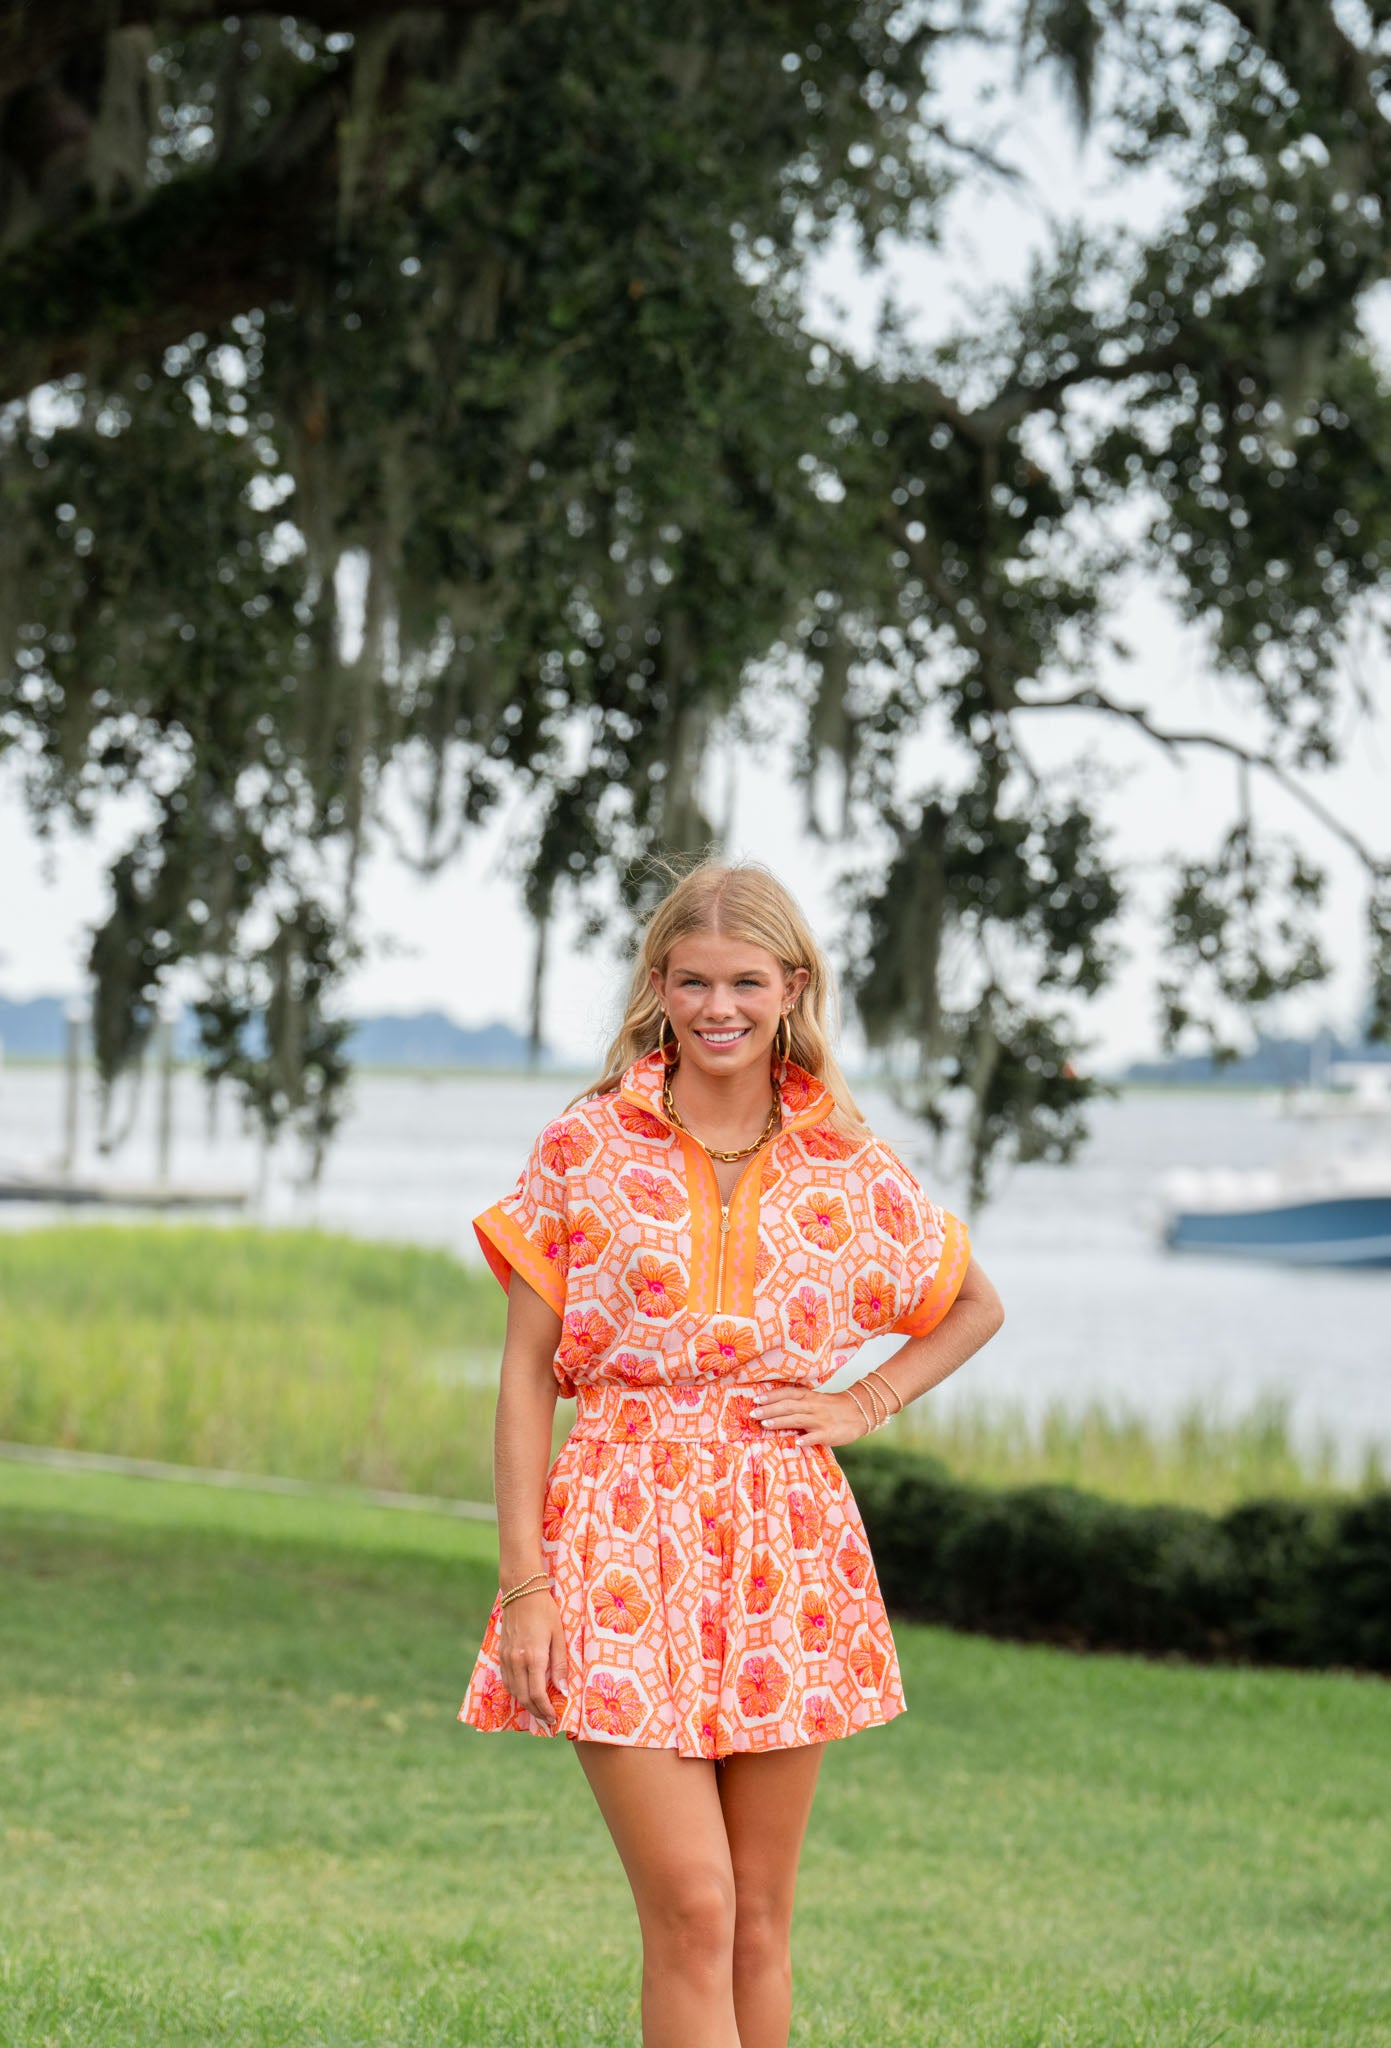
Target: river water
1095, 1306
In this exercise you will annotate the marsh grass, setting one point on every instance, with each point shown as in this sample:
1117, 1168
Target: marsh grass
288, 1352
320, 1357
238, 1809
1200, 1459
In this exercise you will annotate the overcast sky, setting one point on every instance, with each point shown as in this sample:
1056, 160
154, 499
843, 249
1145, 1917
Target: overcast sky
458, 942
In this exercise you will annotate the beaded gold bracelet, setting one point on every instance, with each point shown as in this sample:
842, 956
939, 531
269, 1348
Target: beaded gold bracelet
860, 1405
875, 1374
534, 1584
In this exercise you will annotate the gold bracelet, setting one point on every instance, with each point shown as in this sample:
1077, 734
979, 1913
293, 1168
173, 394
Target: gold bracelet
876, 1400
860, 1405
534, 1584
884, 1381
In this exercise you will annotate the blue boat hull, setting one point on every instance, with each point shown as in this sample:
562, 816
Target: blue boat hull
1347, 1230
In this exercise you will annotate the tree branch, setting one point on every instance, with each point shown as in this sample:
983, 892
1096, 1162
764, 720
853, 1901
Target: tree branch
34, 39
1174, 742
193, 253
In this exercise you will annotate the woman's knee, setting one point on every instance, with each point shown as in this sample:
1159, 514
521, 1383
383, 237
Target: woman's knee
692, 1918
762, 1931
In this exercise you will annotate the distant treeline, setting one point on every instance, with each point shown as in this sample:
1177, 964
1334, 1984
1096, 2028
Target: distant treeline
36, 1029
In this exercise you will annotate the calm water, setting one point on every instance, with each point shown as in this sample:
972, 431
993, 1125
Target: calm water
1095, 1305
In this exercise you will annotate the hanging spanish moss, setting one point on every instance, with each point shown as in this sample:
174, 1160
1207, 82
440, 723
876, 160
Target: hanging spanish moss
408, 419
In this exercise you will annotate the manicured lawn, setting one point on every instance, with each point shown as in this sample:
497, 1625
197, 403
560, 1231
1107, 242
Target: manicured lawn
237, 1808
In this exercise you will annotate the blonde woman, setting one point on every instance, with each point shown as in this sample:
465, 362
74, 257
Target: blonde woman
690, 1252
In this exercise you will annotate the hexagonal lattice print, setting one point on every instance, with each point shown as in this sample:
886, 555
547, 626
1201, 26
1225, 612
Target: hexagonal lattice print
713, 1579
615, 1705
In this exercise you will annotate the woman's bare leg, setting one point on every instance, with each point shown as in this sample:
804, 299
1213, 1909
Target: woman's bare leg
766, 1801
664, 1813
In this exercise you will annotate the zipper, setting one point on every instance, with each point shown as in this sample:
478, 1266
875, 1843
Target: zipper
724, 1242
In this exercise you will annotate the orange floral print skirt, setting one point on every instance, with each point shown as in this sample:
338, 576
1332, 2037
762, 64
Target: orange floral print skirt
715, 1581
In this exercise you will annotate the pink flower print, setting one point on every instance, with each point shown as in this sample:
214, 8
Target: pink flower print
553, 1509
668, 1562
493, 1704
671, 1461
657, 1286
724, 1347
627, 1504
867, 1663
584, 1334
564, 1144
805, 1517
586, 1547
637, 1371
808, 1319
823, 1221
822, 1142
853, 1560
822, 1720
762, 1687
893, 1212
587, 1238
814, 1622
739, 1418
876, 1301
761, 1583
633, 1421
619, 1603
612, 1705
711, 1632
798, 1090
653, 1194
756, 1485
640, 1123
687, 1393
595, 1457
708, 1737
552, 1240
764, 1259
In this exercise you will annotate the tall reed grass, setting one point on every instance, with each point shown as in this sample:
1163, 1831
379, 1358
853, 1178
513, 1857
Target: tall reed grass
321, 1357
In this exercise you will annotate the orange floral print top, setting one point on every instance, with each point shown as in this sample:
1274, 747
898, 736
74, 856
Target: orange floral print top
616, 1220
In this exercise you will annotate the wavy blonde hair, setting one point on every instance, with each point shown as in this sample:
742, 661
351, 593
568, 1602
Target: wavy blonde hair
739, 901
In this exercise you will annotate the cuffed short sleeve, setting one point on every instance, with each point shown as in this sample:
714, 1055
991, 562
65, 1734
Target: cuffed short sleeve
526, 1232
938, 1278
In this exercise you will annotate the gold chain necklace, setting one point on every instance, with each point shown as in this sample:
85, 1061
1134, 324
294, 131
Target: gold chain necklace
771, 1122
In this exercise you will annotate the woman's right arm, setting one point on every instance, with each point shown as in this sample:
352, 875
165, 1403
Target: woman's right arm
531, 1647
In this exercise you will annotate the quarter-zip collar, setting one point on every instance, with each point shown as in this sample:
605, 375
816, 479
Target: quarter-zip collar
805, 1100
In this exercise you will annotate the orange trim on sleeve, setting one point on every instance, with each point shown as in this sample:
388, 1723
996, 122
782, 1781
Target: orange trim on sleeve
508, 1249
946, 1281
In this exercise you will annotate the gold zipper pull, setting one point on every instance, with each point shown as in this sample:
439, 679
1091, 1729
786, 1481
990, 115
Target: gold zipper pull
724, 1217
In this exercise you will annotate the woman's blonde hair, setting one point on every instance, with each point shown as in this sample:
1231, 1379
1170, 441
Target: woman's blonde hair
739, 901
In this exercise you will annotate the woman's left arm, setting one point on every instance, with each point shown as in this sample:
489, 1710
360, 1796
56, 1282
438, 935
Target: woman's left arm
921, 1363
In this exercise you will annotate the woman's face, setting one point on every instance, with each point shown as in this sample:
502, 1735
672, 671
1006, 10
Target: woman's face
724, 998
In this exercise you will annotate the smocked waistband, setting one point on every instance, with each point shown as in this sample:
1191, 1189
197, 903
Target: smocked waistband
688, 1408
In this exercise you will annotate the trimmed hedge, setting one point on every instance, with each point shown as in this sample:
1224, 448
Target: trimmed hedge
1271, 1581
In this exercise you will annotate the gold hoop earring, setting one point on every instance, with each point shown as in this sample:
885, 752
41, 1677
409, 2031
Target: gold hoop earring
662, 1030
783, 1053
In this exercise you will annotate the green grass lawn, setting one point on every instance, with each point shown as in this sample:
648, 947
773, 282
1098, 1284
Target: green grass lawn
319, 1357
237, 1808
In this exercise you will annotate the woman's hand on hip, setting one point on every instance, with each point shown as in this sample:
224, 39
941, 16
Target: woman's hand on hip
817, 1418
531, 1652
